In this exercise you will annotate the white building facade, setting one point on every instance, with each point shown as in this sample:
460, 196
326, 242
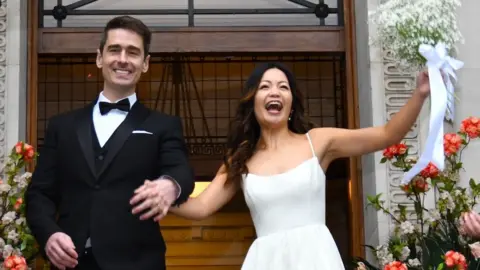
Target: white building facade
382, 89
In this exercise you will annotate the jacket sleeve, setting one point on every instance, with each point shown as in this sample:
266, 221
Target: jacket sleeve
41, 194
173, 159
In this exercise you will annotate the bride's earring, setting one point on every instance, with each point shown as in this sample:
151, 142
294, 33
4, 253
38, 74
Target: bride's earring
290, 117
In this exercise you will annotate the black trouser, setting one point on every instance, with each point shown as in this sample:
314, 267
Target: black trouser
87, 261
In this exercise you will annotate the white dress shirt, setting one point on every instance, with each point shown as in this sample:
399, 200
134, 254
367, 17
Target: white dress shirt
105, 125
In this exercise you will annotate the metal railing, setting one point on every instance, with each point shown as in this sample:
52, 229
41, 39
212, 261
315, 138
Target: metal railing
321, 11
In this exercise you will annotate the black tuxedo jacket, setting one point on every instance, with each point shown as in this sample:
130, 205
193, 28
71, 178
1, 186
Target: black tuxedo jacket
68, 194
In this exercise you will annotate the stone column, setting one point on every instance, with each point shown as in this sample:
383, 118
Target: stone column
13, 73
383, 90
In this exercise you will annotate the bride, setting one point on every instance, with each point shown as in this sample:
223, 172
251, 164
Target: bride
279, 163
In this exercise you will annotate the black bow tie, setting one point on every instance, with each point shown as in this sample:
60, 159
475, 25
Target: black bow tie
123, 105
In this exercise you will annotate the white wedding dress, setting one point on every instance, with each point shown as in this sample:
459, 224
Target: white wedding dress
288, 211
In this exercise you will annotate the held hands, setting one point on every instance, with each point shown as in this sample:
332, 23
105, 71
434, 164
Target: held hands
61, 251
156, 196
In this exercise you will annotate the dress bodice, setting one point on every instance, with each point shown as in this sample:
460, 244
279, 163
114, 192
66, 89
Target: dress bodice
288, 200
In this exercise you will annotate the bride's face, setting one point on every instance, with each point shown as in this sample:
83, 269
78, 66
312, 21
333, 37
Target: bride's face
273, 99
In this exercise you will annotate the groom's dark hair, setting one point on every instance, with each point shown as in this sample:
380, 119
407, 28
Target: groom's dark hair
128, 23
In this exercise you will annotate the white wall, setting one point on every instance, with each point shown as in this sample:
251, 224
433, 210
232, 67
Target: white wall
468, 89
200, 20
13, 64
16, 80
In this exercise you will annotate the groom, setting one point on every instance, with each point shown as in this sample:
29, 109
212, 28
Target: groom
79, 202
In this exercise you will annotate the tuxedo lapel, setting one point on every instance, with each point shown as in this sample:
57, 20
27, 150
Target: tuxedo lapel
135, 117
84, 134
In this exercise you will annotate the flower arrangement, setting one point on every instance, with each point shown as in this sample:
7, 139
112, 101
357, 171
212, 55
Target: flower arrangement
17, 245
430, 238
403, 25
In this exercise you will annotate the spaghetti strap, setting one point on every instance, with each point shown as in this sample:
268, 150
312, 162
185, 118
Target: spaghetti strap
311, 145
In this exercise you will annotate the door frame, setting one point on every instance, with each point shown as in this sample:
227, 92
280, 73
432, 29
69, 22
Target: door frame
199, 39
355, 191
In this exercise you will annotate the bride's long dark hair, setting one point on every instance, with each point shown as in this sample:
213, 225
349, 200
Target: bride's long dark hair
244, 130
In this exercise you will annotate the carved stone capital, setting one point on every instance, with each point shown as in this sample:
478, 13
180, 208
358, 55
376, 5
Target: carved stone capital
3, 73
399, 87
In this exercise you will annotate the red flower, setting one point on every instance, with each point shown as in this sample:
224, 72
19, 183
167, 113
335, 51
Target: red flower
395, 150
15, 262
19, 148
418, 184
390, 152
402, 148
29, 152
396, 265
18, 203
431, 171
451, 143
25, 150
471, 127
455, 259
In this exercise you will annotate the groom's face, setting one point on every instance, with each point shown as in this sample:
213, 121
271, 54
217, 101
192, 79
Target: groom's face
123, 58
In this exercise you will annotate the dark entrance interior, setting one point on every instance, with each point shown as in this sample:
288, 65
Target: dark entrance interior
203, 90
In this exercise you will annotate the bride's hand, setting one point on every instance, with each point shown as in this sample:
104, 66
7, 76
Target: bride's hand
423, 84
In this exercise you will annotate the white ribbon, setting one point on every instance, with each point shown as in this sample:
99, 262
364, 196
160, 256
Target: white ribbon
441, 87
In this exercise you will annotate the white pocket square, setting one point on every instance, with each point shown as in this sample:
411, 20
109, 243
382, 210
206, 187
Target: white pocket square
141, 132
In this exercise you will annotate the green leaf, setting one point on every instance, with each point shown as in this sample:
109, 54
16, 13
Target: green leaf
374, 199
458, 166
383, 160
472, 183
23, 246
12, 200
398, 164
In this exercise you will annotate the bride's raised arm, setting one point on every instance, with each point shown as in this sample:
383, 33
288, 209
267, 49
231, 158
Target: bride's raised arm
216, 195
347, 142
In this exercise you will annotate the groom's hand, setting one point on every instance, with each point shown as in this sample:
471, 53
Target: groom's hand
61, 251
156, 196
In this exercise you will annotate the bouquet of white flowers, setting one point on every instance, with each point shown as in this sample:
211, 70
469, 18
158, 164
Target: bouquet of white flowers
403, 25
